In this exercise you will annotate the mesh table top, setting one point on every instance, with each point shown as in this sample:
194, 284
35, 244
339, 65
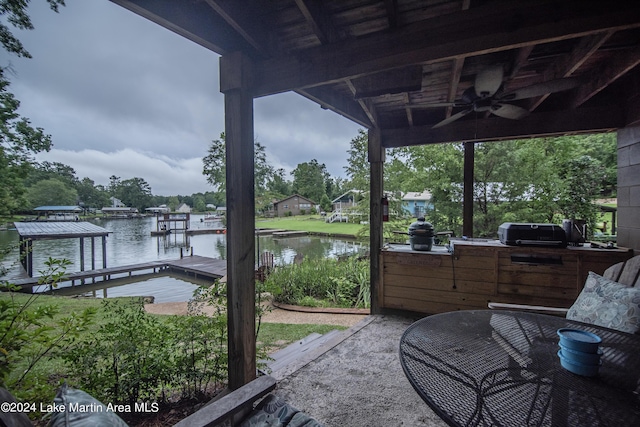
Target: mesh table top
501, 368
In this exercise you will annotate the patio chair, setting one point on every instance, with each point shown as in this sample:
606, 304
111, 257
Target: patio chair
611, 300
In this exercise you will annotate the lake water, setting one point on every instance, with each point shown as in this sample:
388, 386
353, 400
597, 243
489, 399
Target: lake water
130, 242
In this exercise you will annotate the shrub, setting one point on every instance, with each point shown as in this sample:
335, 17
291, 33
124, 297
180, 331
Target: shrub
343, 283
200, 341
127, 359
32, 332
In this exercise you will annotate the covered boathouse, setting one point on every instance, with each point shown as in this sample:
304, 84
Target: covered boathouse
35, 230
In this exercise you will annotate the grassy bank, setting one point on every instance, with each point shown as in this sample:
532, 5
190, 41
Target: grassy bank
312, 224
273, 335
51, 370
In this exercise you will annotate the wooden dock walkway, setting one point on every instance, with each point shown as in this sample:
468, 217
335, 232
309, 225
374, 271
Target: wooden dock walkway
290, 233
199, 266
195, 231
195, 266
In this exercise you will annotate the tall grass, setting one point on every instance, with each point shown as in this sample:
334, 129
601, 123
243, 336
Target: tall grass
322, 283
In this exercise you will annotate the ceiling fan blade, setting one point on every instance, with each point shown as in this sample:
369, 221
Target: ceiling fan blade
488, 81
436, 105
539, 89
453, 118
509, 111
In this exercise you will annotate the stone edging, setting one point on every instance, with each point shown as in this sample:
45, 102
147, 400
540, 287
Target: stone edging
329, 310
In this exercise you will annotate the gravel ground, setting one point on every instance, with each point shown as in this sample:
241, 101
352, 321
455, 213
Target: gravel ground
360, 382
276, 315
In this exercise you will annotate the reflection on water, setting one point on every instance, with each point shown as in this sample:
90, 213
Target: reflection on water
164, 288
130, 242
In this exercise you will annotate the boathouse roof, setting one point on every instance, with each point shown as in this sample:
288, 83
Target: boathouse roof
58, 208
37, 230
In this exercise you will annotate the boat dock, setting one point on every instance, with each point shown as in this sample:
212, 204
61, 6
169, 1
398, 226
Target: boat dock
290, 233
268, 231
195, 266
195, 231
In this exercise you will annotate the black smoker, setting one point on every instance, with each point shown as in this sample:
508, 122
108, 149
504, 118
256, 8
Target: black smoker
421, 235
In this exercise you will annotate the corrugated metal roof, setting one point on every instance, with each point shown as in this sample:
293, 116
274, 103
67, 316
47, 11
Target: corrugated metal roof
59, 208
58, 230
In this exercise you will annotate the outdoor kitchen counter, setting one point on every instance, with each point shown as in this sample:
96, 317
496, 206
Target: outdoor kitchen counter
482, 271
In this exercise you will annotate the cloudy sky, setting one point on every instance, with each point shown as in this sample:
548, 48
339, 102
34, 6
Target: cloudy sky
123, 96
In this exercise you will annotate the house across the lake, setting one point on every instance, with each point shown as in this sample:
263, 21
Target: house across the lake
183, 208
417, 204
293, 205
347, 200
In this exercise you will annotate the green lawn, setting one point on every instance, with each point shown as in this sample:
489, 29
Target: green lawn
310, 223
272, 335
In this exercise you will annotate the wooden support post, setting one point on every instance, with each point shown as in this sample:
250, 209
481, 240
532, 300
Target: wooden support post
30, 257
93, 257
467, 203
82, 257
376, 164
23, 253
104, 254
235, 83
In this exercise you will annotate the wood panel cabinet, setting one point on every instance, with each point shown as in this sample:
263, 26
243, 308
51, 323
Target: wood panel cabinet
478, 272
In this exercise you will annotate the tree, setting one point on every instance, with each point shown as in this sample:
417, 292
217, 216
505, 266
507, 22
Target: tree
114, 185
278, 185
199, 204
48, 170
90, 195
309, 180
135, 192
18, 142
215, 169
582, 178
18, 17
51, 192
173, 203
18, 139
357, 168
214, 164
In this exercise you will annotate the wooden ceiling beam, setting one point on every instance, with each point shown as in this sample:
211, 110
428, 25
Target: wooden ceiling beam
367, 107
343, 105
319, 21
407, 79
520, 59
481, 30
456, 73
408, 110
616, 67
566, 65
584, 120
392, 12
246, 22
195, 23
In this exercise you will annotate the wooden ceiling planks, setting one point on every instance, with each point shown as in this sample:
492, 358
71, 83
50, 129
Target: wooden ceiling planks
352, 56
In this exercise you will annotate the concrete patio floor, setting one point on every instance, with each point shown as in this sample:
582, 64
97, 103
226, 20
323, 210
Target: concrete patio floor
359, 381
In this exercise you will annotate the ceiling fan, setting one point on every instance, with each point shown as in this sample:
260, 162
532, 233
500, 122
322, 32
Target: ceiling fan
487, 95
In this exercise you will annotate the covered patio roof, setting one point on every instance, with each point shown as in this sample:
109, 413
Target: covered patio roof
477, 70
397, 65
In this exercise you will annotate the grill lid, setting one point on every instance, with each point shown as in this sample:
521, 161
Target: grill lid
421, 228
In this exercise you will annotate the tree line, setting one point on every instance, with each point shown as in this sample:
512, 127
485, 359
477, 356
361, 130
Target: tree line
540, 180
309, 179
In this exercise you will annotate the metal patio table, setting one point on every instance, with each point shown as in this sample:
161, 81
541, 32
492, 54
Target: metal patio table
501, 368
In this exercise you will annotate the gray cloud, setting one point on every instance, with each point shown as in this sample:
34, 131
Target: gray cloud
111, 87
